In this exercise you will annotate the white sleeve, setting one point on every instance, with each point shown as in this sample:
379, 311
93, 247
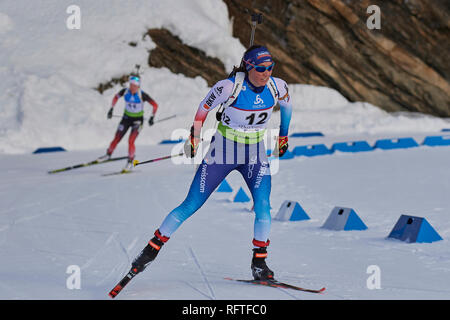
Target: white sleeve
283, 91
218, 94
285, 106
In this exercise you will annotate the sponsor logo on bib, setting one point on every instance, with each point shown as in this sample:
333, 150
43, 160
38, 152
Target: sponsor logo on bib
258, 99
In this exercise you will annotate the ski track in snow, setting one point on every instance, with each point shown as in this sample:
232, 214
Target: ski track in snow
116, 222
46, 212
25, 206
106, 244
212, 296
197, 290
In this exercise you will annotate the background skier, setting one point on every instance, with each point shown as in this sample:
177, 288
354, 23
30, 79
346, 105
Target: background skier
133, 117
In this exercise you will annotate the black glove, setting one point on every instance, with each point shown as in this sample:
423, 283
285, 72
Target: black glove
110, 113
219, 115
150, 121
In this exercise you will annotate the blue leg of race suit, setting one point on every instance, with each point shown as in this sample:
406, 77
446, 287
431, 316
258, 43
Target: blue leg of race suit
206, 180
211, 173
259, 183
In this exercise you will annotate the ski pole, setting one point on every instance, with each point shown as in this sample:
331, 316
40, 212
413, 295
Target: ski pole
166, 118
159, 120
256, 19
137, 162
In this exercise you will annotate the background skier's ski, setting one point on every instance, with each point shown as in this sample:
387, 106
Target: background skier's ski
87, 164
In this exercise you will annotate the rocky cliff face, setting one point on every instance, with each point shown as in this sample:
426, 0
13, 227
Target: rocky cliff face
404, 66
173, 54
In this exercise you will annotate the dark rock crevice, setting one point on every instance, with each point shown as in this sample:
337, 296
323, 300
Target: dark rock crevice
178, 57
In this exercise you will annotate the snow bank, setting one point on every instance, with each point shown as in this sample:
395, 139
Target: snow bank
48, 98
50, 71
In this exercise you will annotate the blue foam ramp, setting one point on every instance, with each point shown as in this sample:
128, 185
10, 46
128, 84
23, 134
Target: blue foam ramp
354, 146
291, 211
446, 129
434, 141
287, 155
414, 229
400, 143
306, 134
50, 149
241, 196
168, 141
312, 150
344, 219
224, 187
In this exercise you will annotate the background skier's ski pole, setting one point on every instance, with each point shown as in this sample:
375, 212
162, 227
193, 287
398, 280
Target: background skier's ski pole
159, 120
136, 162
166, 118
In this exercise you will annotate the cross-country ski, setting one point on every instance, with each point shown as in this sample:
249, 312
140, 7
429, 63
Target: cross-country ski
87, 164
116, 173
277, 284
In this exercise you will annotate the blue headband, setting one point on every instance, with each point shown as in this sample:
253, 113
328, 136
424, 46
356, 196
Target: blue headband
257, 56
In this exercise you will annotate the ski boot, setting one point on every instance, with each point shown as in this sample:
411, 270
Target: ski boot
149, 253
105, 157
129, 166
260, 270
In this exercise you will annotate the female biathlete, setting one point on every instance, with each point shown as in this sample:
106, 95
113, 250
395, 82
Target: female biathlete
249, 97
133, 118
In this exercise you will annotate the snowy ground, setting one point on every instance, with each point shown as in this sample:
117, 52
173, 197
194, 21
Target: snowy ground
49, 222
